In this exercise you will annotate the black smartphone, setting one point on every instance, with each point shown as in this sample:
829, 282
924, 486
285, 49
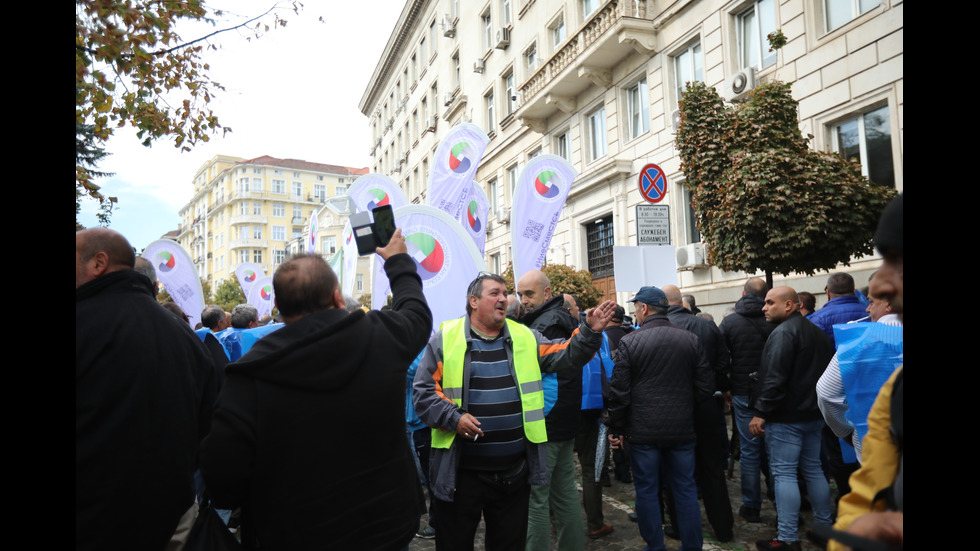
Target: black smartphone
384, 224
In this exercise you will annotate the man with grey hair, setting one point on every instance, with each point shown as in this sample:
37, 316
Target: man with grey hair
244, 316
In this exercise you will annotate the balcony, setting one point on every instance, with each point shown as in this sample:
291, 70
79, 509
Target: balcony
248, 243
615, 31
249, 219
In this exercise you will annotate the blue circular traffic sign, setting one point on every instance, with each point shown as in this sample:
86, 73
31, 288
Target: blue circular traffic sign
653, 183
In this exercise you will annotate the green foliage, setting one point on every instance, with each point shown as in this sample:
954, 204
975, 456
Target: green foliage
131, 67
88, 154
229, 294
564, 279
776, 40
764, 199
162, 295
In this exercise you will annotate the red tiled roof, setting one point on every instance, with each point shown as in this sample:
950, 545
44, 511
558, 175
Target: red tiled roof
304, 165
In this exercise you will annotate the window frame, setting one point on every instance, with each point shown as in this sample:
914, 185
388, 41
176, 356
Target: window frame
642, 91
591, 133
764, 58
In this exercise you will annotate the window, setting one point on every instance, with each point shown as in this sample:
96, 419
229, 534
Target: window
297, 232
492, 195
589, 6
867, 139
297, 213
256, 232
243, 256
277, 172
243, 208
257, 256
531, 58
495, 263
257, 208
488, 101
433, 38
256, 171
339, 190
243, 185
688, 67
637, 109
597, 133
279, 186
512, 178
328, 244
278, 233
243, 233
257, 185
753, 25
508, 82
690, 217
320, 191
422, 52
505, 15
534, 153
458, 77
279, 209
563, 146
360, 282
297, 189
838, 12
487, 30
599, 241
558, 31
278, 256
319, 177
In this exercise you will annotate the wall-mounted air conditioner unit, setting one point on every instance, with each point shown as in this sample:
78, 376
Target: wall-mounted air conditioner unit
503, 215
675, 120
691, 256
447, 98
448, 26
737, 87
479, 65
503, 38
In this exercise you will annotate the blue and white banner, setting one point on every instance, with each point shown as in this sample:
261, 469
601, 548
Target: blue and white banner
375, 190
445, 257
176, 271
454, 168
474, 216
539, 197
262, 296
247, 275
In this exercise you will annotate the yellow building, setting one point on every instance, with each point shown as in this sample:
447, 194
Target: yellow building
249, 210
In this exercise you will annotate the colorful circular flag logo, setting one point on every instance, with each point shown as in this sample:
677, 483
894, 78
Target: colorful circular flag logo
168, 261
459, 158
543, 187
428, 253
266, 292
473, 218
380, 199
249, 276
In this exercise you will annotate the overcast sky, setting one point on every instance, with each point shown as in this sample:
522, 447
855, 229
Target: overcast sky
291, 94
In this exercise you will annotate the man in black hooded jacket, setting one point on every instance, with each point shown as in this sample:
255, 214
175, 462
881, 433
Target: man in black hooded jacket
309, 430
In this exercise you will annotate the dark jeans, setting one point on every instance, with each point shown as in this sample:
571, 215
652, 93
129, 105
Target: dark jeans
679, 461
504, 510
585, 445
422, 440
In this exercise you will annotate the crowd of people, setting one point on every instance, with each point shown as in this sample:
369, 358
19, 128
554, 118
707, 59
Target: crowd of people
333, 427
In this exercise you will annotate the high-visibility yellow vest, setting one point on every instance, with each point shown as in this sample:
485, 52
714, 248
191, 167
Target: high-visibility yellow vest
525, 365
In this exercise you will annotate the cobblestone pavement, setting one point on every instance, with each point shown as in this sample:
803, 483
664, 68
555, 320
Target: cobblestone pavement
618, 503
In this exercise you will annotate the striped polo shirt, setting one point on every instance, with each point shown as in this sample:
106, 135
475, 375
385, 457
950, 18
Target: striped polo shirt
494, 400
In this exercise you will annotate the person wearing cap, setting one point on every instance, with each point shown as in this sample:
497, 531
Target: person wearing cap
661, 372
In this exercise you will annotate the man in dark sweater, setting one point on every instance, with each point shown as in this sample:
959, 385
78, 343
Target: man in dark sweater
546, 313
144, 388
745, 332
305, 399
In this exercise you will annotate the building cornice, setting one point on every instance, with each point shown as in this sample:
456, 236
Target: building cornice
404, 28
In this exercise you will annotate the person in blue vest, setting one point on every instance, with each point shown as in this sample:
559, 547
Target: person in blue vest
479, 388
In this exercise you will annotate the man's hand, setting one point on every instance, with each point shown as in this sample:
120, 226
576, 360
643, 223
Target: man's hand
886, 526
468, 426
756, 426
598, 317
615, 442
395, 246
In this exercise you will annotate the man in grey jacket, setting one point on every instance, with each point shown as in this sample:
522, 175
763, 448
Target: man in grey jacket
479, 388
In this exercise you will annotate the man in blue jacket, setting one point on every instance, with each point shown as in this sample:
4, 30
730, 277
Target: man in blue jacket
842, 304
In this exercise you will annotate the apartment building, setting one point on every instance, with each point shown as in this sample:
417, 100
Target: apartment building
597, 82
249, 210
